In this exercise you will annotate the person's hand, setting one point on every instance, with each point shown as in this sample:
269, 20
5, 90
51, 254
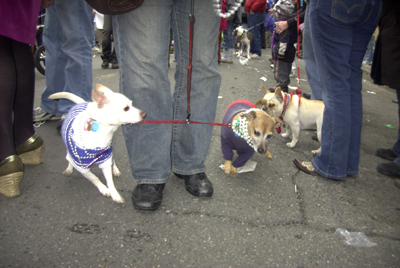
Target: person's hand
46, 3
251, 12
281, 26
271, 10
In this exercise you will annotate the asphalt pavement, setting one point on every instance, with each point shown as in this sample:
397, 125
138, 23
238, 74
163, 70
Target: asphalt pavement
275, 216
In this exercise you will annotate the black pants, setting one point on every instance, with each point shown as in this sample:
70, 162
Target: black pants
108, 53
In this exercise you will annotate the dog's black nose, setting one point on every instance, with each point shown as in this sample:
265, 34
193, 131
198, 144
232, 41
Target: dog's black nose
260, 150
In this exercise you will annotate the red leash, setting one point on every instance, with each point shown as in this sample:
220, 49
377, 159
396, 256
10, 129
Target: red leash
189, 79
181, 122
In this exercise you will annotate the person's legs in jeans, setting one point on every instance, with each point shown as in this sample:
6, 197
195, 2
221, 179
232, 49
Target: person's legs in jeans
155, 149
67, 38
338, 62
254, 19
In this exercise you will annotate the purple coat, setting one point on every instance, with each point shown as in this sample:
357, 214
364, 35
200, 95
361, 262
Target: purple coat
229, 141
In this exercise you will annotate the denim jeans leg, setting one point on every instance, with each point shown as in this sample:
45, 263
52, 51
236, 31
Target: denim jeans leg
341, 129
69, 43
190, 143
142, 38
142, 45
228, 37
254, 19
309, 59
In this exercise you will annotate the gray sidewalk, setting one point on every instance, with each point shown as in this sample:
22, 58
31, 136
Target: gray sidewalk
275, 216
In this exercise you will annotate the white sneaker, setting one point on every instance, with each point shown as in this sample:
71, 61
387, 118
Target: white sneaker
254, 56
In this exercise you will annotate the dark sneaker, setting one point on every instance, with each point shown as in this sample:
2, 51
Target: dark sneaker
197, 184
386, 154
105, 64
148, 196
389, 169
41, 115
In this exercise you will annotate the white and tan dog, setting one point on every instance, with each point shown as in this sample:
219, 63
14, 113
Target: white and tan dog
295, 113
244, 37
250, 131
87, 132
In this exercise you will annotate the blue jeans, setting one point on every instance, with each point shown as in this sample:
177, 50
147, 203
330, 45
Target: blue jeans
369, 54
310, 60
67, 38
142, 47
254, 19
229, 40
340, 32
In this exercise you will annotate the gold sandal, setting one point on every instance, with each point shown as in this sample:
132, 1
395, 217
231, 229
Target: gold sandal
11, 172
31, 151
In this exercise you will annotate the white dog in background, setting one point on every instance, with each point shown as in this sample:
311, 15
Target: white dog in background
243, 37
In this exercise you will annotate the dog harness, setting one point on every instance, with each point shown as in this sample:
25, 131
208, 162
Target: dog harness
82, 158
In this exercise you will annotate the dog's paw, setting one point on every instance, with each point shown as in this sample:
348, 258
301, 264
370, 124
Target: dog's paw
268, 154
233, 173
315, 152
67, 172
118, 199
104, 190
116, 172
290, 144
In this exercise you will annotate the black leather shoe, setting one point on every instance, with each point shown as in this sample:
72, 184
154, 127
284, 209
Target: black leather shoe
148, 196
386, 154
197, 184
105, 64
306, 95
389, 169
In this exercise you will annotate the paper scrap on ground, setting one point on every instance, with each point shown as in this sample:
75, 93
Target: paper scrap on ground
263, 78
243, 60
250, 166
356, 239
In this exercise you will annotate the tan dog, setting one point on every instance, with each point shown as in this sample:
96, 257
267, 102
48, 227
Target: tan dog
309, 115
250, 131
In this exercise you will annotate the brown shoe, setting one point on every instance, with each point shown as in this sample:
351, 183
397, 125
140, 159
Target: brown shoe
397, 183
305, 166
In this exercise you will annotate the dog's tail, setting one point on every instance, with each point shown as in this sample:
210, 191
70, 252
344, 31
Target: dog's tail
67, 95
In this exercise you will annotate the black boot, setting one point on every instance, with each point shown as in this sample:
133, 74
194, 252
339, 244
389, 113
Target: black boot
197, 184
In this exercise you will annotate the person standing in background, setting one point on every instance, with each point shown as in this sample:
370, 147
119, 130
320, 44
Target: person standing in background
67, 37
255, 17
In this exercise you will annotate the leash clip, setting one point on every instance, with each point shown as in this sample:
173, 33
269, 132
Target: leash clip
188, 119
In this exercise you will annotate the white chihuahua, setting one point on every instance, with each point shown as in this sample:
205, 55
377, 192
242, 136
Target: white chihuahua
87, 132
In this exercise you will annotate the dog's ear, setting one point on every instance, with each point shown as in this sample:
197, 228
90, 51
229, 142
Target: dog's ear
264, 89
278, 94
103, 89
261, 102
99, 98
250, 115
234, 33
